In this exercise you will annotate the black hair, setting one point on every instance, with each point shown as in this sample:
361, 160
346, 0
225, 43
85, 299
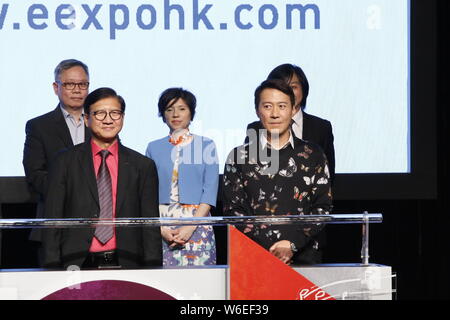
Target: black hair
274, 84
286, 72
99, 94
172, 95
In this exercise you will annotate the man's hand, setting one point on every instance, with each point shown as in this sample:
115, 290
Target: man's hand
282, 250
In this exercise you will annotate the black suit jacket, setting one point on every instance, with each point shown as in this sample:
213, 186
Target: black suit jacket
317, 130
46, 135
72, 193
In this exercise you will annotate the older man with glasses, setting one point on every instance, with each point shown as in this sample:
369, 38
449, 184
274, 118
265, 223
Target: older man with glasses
56, 130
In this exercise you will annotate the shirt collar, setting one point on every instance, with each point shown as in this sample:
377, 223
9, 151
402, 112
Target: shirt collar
265, 143
113, 149
64, 111
67, 114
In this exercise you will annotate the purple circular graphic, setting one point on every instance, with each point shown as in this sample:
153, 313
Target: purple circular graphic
109, 290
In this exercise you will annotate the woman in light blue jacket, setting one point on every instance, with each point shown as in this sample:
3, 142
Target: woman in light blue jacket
188, 173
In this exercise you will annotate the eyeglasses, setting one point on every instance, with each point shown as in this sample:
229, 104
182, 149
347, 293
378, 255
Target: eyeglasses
101, 114
72, 85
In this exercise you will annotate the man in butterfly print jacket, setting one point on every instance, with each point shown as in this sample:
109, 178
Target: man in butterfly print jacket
299, 185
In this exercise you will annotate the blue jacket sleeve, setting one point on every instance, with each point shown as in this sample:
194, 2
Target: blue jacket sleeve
148, 152
211, 177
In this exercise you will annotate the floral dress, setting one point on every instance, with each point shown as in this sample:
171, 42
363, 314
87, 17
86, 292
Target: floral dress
200, 249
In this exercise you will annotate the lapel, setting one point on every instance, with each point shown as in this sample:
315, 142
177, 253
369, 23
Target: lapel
63, 130
87, 168
123, 178
306, 134
61, 127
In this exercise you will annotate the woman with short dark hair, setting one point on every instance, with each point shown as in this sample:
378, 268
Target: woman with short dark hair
188, 173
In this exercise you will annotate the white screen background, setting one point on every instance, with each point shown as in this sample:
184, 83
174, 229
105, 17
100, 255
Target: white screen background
357, 65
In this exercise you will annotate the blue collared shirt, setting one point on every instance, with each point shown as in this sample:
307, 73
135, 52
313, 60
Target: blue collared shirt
76, 129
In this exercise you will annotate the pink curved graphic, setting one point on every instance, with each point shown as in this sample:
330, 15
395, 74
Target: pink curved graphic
109, 290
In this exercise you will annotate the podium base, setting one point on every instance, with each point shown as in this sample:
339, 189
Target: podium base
349, 281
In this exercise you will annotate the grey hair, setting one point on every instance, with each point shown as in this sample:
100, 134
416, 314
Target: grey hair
67, 64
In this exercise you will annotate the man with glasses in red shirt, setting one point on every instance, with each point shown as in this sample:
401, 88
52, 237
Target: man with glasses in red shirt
102, 179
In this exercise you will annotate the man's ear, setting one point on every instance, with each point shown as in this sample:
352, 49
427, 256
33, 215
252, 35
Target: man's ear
257, 113
294, 111
86, 118
55, 87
